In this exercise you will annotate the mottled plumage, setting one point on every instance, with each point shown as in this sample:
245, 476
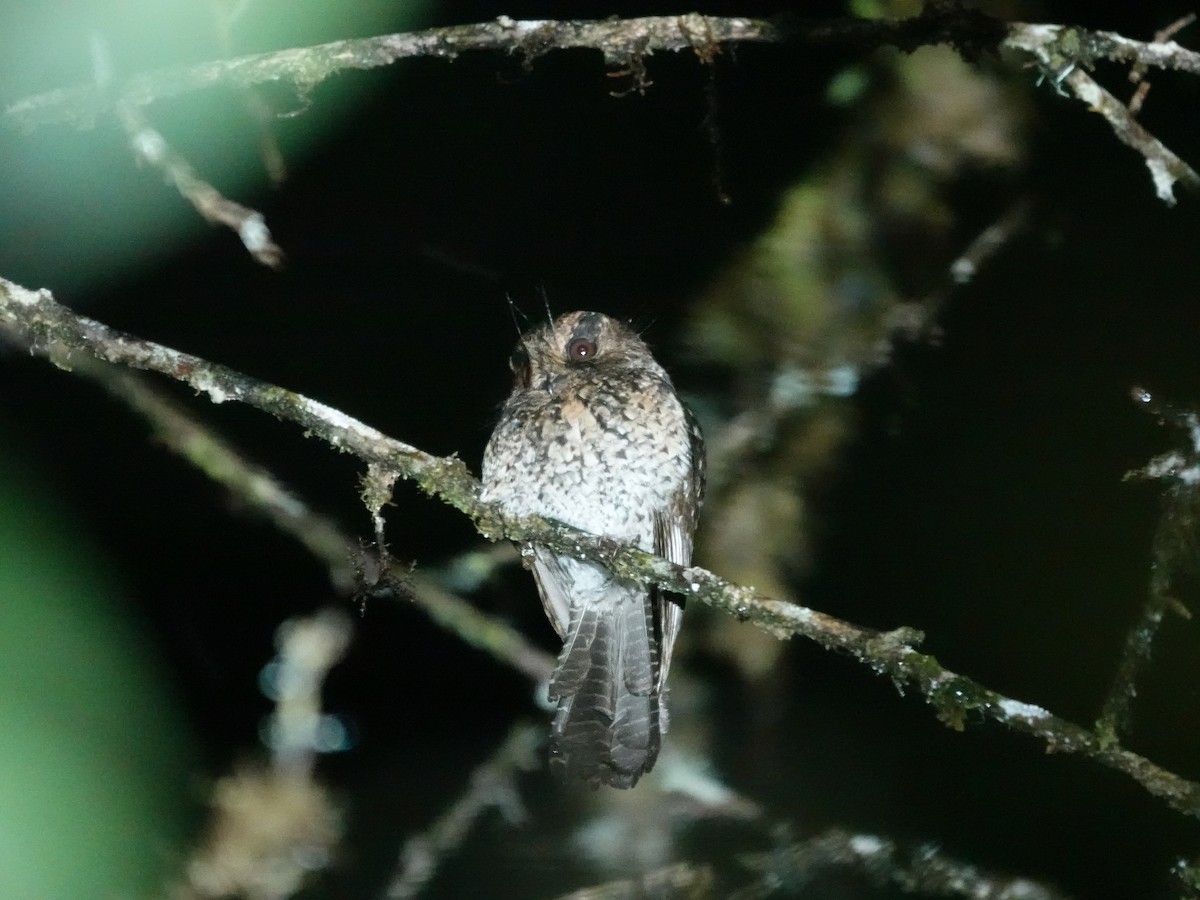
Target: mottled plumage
594, 436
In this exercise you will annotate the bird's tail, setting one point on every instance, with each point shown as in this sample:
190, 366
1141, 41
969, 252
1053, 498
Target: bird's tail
609, 722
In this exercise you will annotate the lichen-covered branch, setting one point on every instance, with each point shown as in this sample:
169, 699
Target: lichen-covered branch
56, 332
1065, 54
624, 44
620, 40
1173, 554
1085, 47
1137, 74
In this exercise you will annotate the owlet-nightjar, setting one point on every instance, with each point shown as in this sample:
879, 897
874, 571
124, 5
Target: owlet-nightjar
594, 436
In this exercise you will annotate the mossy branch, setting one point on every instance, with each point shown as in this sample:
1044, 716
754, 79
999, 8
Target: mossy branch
51, 330
1062, 52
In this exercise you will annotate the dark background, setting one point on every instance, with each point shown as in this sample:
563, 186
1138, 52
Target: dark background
981, 499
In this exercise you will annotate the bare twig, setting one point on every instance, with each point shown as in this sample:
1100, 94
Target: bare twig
1137, 74
989, 241
249, 225
492, 786
919, 320
626, 42
620, 40
57, 333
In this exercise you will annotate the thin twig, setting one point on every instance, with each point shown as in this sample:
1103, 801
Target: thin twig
248, 224
491, 786
1065, 53
620, 40
989, 242
259, 490
1137, 74
57, 333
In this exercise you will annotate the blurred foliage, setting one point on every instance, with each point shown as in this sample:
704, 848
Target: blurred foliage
77, 197
94, 755
858, 253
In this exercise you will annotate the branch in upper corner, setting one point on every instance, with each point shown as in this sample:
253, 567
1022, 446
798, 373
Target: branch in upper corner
56, 332
626, 42
622, 41
1064, 54
1137, 75
1165, 167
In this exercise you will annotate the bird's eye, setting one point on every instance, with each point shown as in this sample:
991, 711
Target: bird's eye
580, 349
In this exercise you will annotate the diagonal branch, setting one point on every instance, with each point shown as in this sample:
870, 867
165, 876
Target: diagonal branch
342, 556
1060, 50
1065, 53
52, 330
151, 147
1088, 46
620, 40
492, 786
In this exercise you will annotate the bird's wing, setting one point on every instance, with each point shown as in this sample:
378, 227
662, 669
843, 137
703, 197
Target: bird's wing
552, 584
674, 526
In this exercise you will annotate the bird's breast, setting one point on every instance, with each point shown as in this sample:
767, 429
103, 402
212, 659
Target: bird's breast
599, 460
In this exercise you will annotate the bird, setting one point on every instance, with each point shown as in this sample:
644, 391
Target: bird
594, 435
